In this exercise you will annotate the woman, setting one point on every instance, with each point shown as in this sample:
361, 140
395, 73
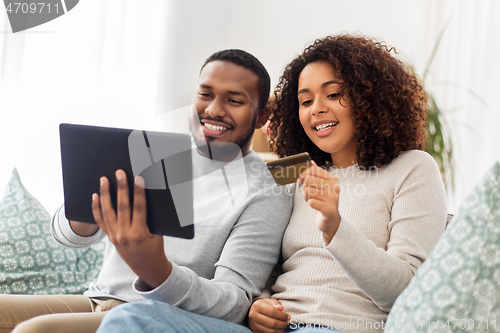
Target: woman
370, 209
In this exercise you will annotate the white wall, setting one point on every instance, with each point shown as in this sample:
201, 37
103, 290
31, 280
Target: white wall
467, 63
117, 62
276, 31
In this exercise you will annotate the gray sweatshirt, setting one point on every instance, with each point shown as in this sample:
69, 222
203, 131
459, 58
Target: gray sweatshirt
240, 215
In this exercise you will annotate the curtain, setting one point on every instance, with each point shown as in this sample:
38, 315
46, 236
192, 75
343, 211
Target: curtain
99, 64
126, 63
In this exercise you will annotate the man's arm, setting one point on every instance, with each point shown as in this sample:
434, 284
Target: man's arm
83, 229
250, 253
127, 230
248, 257
74, 234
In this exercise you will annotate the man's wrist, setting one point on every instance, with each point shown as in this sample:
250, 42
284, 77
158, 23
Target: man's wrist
83, 229
159, 276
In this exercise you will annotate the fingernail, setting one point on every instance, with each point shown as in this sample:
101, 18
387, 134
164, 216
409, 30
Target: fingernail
102, 181
288, 318
139, 181
119, 176
94, 197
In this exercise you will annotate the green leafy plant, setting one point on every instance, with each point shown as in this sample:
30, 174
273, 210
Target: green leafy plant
439, 142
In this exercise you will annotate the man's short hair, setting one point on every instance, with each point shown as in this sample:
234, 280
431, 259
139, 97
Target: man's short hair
246, 60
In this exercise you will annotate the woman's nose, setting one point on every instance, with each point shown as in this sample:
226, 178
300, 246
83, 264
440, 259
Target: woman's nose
319, 107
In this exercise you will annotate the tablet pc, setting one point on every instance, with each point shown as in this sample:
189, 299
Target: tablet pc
162, 159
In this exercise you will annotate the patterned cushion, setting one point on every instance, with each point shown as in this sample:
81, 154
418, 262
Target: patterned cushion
31, 261
458, 286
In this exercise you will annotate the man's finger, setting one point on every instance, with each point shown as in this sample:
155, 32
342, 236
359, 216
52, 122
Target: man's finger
107, 209
139, 217
96, 211
122, 199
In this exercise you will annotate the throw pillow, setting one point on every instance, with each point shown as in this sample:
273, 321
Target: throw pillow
31, 261
458, 286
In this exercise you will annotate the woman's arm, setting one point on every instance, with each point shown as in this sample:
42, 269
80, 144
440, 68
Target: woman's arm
418, 219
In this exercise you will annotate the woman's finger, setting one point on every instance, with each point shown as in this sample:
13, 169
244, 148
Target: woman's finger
258, 328
314, 171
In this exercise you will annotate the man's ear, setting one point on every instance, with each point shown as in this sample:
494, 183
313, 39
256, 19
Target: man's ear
263, 117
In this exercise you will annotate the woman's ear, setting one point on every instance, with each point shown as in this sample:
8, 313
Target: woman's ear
263, 117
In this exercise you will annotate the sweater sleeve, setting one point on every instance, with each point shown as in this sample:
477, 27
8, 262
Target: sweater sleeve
247, 259
418, 219
267, 292
64, 235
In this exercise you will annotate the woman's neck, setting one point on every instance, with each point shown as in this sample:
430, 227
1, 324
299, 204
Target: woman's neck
344, 159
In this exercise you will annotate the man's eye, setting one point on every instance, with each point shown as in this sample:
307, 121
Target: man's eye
204, 95
235, 101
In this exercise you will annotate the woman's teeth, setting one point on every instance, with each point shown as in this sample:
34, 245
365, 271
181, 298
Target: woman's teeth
323, 127
215, 127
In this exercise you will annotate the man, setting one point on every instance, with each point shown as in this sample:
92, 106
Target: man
237, 235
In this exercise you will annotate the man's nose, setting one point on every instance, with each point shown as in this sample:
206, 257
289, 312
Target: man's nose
215, 109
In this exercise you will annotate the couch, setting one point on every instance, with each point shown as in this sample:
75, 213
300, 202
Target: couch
456, 289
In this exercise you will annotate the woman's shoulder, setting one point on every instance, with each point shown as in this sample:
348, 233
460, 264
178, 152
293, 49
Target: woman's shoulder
414, 164
414, 158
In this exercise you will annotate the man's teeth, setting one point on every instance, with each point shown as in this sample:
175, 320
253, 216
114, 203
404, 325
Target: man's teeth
323, 127
215, 127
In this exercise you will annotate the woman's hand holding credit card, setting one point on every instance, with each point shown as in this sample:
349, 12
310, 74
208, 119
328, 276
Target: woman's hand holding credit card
287, 170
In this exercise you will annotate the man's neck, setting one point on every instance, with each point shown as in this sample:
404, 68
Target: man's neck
222, 153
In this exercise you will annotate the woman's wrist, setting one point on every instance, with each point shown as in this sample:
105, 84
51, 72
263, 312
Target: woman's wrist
328, 236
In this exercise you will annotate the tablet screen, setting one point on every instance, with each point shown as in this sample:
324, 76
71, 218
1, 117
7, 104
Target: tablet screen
163, 159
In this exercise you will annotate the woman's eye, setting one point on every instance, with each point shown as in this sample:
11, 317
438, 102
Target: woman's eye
306, 102
335, 95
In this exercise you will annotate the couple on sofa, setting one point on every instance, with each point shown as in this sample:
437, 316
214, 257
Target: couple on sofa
352, 230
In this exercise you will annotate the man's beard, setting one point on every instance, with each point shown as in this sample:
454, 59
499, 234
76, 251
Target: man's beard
223, 151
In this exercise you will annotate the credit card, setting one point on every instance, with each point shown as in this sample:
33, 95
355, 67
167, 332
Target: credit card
286, 170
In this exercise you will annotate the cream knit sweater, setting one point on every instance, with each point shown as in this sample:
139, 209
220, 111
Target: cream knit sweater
391, 218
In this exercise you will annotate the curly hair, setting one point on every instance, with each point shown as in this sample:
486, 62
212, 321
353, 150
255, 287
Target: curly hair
388, 101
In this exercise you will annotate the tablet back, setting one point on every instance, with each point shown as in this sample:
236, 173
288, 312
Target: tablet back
163, 159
